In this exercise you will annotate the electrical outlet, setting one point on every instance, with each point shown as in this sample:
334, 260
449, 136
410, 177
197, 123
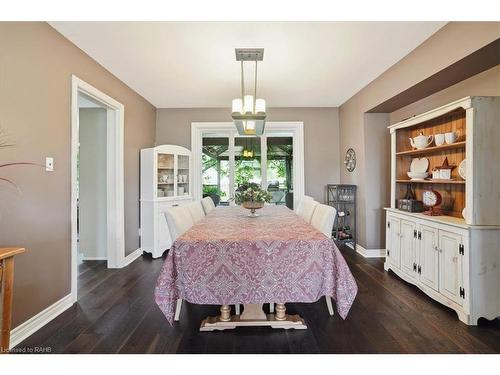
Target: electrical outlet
49, 164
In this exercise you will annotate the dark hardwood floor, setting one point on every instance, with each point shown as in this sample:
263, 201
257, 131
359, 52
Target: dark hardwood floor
116, 313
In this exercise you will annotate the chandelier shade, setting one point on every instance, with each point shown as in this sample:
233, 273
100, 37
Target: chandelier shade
248, 111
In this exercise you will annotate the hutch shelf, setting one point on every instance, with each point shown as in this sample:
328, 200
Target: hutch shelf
454, 258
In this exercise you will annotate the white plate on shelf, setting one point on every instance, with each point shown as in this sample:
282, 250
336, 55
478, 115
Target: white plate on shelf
419, 165
461, 169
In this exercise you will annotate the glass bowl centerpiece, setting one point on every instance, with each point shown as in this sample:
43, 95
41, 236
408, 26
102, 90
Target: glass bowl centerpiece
252, 197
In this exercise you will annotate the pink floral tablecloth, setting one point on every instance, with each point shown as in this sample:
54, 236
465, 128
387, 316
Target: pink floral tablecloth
228, 258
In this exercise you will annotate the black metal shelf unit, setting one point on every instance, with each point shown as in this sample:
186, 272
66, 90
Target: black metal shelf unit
343, 199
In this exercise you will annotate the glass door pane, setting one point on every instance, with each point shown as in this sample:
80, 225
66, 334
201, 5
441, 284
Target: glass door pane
183, 182
247, 161
165, 174
280, 169
215, 168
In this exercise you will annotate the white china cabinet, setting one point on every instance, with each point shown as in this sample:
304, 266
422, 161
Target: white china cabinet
454, 257
165, 182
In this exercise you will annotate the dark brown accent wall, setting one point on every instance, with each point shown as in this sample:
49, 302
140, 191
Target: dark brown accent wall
483, 59
36, 64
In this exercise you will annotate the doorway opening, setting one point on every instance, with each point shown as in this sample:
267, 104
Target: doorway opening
97, 212
91, 187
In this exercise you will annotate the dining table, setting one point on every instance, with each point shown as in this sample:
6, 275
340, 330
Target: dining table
230, 258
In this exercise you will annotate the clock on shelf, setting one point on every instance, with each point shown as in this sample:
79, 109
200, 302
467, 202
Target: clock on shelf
350, 160
432, 199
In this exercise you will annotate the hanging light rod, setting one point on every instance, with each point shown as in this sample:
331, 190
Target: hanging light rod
248, 112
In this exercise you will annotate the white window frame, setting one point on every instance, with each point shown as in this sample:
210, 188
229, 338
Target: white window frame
295, 128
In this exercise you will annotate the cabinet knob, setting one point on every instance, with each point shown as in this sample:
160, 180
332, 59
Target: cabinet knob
438, 249
175, 205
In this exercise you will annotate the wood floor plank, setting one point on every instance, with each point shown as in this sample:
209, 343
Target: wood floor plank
116, 313
404, 318
443, 320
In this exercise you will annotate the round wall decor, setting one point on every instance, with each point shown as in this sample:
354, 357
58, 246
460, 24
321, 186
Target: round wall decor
350, 160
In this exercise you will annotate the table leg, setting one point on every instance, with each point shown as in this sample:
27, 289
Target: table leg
253, 312
280, 311
225, 313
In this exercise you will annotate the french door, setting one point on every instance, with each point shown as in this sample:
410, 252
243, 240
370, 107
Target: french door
225, 160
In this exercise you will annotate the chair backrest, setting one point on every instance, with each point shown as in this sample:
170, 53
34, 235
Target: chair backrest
196, 210
306, 207
179, 220
323, 219
208, 204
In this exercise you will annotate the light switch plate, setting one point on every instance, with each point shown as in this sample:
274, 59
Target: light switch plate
49, 164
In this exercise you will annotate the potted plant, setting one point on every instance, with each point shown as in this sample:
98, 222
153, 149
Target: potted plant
252, 197
212, 192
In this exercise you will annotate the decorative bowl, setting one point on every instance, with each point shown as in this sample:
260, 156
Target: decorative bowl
252, 206
417, 175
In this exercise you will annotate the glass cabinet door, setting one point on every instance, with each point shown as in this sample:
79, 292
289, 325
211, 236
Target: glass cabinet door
165, 175
183, 183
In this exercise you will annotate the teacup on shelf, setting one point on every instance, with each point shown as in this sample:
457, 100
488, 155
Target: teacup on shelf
439, 139
451, 137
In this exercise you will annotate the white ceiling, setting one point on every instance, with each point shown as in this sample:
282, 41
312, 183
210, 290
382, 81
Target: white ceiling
192, 64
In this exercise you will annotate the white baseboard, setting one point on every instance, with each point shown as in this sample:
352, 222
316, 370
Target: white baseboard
349, 244
370, 253
93, 258
131, 257
26, 329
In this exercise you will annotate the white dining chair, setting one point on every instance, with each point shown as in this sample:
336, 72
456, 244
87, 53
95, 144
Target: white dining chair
306, 208
179, 220
208, 204
322, 219
196, 211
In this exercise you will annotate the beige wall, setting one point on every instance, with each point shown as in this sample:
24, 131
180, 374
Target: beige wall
36, 64
321, 137
450, 44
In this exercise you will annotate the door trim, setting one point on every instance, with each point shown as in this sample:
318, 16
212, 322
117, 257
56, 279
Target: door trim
294, 127
114, 180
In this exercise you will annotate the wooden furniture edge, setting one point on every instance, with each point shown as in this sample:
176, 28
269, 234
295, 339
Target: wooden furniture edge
6, 287
7, 252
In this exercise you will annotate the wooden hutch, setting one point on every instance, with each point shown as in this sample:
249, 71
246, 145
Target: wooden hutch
455, 257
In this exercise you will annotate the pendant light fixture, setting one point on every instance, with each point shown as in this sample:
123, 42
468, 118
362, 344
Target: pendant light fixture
248, 112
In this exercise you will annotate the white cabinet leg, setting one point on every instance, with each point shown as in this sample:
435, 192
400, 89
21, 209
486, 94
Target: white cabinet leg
329, 305
271, 307
178, 310
237, 309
